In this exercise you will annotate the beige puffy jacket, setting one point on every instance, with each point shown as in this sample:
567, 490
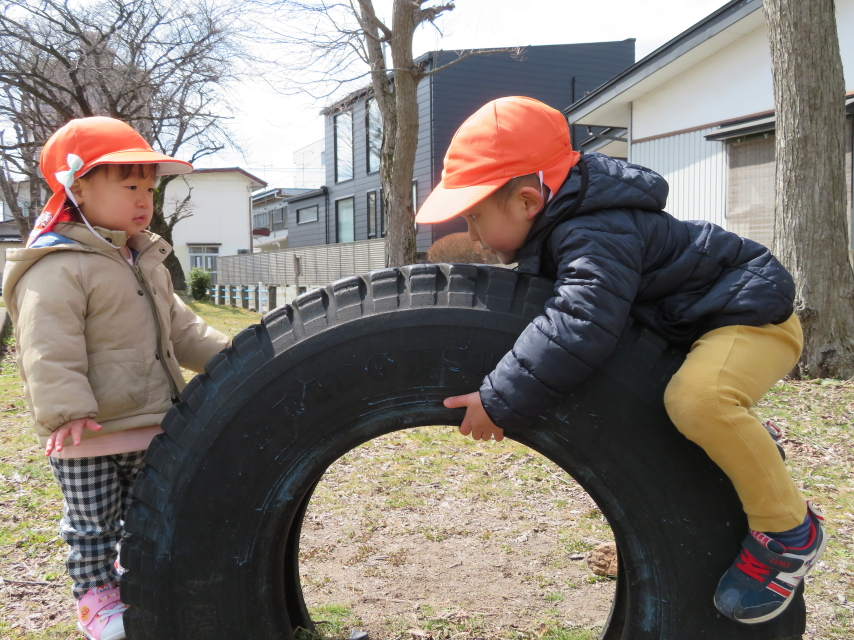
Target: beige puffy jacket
98, 338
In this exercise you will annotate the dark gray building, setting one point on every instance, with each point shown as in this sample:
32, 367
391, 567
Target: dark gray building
349, 207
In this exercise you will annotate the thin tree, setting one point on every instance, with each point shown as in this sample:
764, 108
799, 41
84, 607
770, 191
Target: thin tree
810, 231
158, 66
342, 43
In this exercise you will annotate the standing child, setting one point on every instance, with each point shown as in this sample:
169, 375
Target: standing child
101, 338
597, 228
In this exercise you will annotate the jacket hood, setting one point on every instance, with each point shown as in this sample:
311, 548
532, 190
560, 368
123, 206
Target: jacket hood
19, 261
598, 182
611, 184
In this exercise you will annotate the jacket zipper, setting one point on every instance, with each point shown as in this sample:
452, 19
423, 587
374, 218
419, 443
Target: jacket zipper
176, 395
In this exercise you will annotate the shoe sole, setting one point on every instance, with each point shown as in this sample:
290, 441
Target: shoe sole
787, 601
115, 636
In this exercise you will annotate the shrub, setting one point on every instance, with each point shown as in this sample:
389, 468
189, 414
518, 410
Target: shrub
456, 247
199, 281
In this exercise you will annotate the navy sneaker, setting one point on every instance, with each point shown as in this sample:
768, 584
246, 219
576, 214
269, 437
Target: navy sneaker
762, 581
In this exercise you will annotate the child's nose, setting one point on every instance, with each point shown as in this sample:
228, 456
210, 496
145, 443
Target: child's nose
472, 232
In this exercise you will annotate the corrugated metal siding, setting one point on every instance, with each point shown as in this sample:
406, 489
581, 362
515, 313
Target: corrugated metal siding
320, 265
423, 169
308, 233
364, 182
695, 169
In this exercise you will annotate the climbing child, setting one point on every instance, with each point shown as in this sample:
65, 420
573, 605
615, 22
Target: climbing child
596, 226
101, 338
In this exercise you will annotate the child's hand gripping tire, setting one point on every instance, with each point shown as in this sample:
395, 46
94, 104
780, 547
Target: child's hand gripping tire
215, 526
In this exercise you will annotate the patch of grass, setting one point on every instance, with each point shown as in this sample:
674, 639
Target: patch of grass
560, 632
332, 621
229, 320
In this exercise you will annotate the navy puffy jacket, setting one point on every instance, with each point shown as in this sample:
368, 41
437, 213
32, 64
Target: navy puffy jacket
613, 252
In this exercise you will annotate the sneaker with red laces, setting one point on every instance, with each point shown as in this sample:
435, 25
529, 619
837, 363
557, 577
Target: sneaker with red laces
99, 613
764, 578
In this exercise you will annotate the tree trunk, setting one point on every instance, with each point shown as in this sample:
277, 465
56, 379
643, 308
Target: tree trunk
397, 194
161, 227
810, 231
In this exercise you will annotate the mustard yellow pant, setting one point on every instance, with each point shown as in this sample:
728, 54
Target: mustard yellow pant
711, 399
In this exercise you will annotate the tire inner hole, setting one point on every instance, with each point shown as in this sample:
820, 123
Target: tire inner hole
425, 534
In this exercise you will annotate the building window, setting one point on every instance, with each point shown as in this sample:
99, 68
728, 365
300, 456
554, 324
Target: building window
383, 218
345, 220
414, 195
261, 220
203, 257
343, 125
280, 218
372, 214
373, 134
309, 214
750, 189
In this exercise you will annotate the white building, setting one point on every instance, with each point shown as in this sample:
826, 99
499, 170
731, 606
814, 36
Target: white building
700, 111
221, 220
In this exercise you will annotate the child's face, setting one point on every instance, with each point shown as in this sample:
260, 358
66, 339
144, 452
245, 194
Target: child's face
504, 229
114, 203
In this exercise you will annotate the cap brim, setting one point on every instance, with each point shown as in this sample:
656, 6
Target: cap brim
167, 165
443, 204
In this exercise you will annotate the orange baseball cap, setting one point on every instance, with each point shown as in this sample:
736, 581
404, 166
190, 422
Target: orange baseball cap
504, 139
84, 143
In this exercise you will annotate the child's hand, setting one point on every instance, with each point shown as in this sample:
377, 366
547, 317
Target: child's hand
73, 429
476, 421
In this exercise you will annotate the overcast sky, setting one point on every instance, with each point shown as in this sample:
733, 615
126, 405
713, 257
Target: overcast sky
271, 127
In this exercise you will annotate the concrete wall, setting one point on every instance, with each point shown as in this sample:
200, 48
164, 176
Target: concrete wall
221, 213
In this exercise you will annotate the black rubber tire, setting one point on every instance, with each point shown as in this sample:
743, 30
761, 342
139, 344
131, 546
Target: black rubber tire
215, 525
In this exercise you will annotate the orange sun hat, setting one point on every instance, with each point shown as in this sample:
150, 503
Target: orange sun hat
504, 139
83, 144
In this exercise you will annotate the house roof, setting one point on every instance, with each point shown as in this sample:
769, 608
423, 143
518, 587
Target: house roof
368, 90
276, 193
608, 106
308, 194
430, 58
254, 179
759, 123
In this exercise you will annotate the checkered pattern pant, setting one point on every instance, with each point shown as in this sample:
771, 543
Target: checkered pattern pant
97, 495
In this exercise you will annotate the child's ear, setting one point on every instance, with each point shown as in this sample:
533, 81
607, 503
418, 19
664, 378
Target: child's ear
533, 201
77, 190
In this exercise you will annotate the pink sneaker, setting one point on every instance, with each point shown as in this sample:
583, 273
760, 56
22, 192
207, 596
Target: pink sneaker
99, 613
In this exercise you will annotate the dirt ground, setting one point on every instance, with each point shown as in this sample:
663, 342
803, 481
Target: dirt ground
485, 537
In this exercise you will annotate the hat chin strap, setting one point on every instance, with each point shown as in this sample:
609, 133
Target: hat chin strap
551, 195
85, 221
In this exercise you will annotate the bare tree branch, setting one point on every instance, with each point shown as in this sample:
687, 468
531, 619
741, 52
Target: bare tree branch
157, 65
